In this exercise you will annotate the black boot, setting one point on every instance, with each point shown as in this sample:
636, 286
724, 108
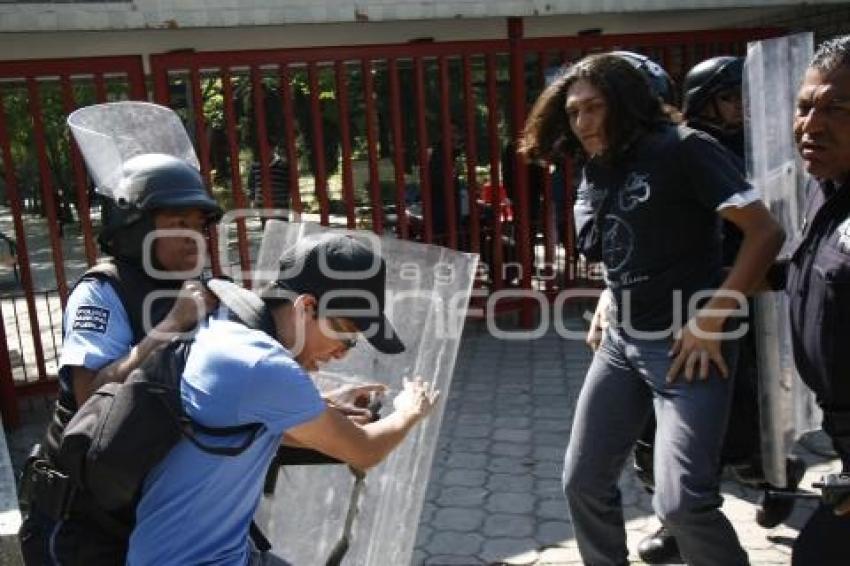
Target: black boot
659, 548
773, 510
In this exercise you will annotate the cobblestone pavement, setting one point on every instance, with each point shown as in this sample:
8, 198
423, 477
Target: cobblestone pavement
495, 494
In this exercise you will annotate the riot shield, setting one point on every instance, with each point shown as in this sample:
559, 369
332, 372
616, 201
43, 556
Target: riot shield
109, 134
428, 290
773, 72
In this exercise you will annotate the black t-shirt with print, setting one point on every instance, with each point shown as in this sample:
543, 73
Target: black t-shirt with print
661, 230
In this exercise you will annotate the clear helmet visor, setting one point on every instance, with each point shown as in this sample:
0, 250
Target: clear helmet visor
111, 134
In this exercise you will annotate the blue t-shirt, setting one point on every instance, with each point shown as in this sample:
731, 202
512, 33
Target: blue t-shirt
661, 230
196, 507
96, 329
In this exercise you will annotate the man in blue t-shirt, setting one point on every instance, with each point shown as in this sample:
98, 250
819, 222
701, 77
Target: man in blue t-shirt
196, 508
649, 208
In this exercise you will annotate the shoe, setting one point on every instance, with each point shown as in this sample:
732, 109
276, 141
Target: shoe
773, 510
659, 548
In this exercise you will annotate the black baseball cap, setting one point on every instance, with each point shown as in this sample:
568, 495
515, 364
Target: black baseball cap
348, 279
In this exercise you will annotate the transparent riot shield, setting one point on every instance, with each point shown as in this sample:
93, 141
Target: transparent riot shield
109, 134
428, 290
772, 75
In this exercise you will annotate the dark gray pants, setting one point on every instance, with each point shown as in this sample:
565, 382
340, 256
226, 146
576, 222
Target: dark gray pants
627, 380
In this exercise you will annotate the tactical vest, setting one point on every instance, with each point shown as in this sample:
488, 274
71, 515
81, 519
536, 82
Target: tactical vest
132, 285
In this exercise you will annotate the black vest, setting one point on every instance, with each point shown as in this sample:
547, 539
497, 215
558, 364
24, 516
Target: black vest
132, 285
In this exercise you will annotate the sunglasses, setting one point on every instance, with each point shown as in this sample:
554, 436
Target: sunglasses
346, 336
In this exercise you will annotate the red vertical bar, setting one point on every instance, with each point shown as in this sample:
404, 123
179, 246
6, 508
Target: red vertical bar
320, 175
546, 224
136, 78
235, 174
100, 88
23, 255
422, 138
372, 148
200, 125
289, 133
471, 157
570, 254
345, 138
204, 156
159, 72
398, 149
80, 182
47, 189
258, 98
517, 80
449, 189
495, 185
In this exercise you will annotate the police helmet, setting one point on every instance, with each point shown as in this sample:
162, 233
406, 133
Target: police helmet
150, 182
708, 78
659, 80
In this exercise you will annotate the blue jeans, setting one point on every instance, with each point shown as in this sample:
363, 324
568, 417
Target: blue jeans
625, 381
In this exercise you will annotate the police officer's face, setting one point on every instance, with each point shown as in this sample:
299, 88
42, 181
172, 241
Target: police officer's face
822, 123
587, 111
729, 108
180, 252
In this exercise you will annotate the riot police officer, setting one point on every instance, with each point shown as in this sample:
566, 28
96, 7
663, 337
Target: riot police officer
110, 325
818, 282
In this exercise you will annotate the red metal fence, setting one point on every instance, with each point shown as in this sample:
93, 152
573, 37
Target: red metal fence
409, 139
46, 191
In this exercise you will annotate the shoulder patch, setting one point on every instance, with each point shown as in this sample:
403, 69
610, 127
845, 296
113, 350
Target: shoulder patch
91, 318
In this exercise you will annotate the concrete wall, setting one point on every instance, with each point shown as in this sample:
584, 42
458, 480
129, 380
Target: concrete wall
161, 14
825, 20
38, 45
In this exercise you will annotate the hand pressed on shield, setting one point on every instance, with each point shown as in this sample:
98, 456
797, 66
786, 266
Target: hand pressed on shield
697, 346
416, 398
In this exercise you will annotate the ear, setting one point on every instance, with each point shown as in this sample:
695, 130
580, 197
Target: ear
305, 306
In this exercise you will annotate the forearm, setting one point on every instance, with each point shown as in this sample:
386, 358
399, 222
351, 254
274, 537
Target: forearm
382, 436
758, 250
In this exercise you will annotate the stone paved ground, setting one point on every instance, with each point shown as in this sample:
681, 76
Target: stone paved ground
495, 494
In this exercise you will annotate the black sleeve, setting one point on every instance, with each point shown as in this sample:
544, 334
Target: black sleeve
711, 170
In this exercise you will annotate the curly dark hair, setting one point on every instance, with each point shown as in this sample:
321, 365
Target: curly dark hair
632, 108
831, 54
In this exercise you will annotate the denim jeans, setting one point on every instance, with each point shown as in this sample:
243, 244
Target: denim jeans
625, 382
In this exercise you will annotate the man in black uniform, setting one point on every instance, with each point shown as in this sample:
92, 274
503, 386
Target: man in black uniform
818, 282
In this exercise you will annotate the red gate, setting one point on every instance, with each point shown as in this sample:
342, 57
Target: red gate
412, 139
46, 197
413, 110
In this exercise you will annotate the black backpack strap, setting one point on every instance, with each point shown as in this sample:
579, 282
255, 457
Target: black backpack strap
252, 429
246, 305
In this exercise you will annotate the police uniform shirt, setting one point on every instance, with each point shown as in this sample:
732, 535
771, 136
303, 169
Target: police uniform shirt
661, 230
818, 288
96, 329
